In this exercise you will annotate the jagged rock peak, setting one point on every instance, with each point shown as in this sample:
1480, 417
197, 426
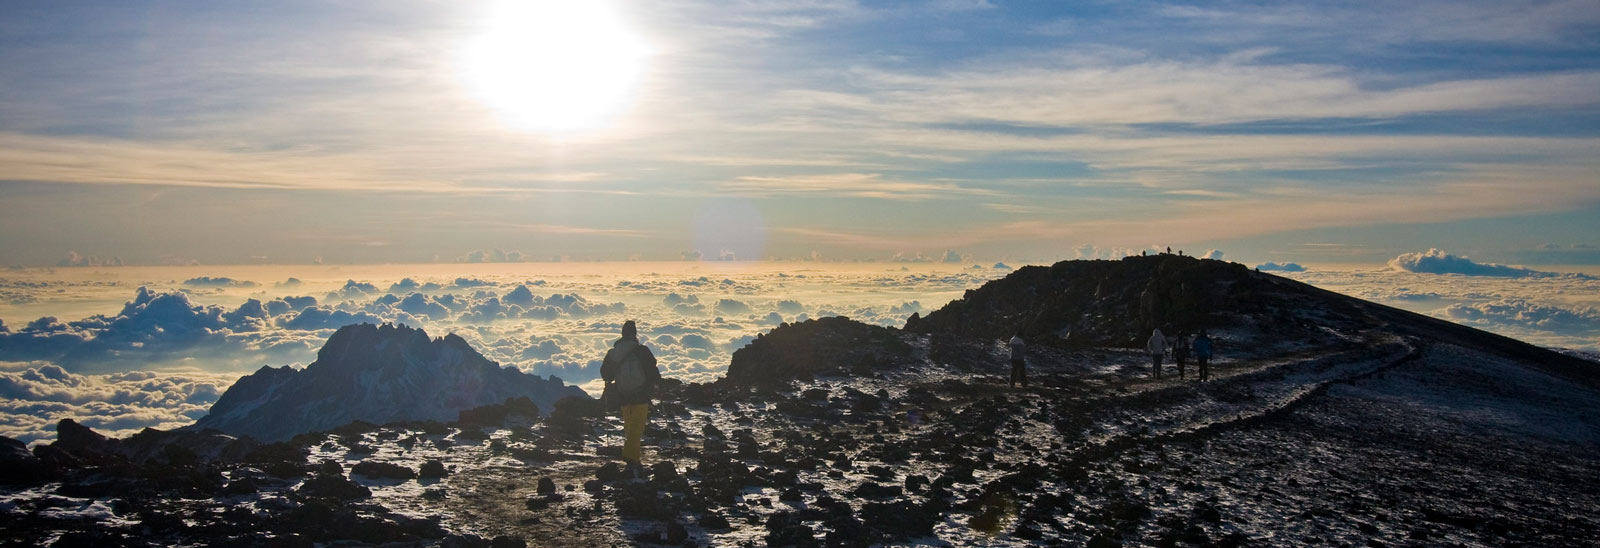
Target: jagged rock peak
360, 343
377, 374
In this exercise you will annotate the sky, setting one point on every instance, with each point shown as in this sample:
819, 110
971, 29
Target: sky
228, 132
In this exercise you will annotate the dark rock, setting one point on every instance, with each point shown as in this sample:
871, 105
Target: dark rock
20, 467
609, 472
640, 500
676, 532
711, 432
664, 472
877, 490
383, 470
507, 541
282, 460
715, 522
916, 482
496, 413
801, 350
333, 487
241, 486
1103, 540
900, 519
547, 486
354, 429
432, 469
80, 439
784, 529
54, 458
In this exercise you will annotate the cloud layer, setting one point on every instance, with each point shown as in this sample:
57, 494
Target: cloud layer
1435, 261
34, 396
557, 325
1546, 308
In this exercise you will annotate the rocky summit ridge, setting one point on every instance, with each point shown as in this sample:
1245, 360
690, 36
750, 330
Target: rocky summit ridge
377, 374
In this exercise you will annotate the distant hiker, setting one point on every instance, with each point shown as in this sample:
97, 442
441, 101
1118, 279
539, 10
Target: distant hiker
1157, 345
630, 376
1019, 361
1180, 351
1202, 354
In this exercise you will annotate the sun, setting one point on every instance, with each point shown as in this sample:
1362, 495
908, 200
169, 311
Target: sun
555, 66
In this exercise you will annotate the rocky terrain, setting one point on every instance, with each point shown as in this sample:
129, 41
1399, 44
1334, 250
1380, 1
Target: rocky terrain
1329, 421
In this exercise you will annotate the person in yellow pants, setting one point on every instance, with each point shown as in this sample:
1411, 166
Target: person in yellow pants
630, 374
633, 419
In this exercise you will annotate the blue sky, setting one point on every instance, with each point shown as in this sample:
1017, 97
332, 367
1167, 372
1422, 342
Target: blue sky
230, 132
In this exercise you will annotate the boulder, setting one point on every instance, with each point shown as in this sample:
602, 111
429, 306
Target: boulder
20, 467
333, 487
383, 470
432, 469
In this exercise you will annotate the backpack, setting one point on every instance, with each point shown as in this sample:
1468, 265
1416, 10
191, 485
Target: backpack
631, 377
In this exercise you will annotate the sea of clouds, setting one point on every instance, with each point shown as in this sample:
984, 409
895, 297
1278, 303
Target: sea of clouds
164, 349
1553, 309
121, 349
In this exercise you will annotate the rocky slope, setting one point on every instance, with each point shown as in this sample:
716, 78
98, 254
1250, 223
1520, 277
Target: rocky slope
377, 374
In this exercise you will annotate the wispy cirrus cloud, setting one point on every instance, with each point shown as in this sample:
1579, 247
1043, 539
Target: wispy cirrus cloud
854, 185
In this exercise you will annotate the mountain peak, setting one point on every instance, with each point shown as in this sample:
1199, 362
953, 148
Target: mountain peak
377, 374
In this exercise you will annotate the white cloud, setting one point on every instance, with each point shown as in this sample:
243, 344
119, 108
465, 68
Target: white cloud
1580, 321
1280, 267
208, 281
75, 259
1552, 310
1436, 261
34, 396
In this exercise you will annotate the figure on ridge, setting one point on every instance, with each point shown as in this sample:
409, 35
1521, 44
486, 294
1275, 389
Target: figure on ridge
630, 374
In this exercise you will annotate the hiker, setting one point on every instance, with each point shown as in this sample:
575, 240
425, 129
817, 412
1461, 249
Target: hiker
1019, 361
1202, 354
1180, 351
630, 376
1157, 345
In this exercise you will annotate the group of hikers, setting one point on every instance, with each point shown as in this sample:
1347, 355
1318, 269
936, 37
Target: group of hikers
1181, 346
630, 375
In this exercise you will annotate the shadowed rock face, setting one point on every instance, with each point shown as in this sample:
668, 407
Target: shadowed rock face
375, 374
1113, 303
833, 345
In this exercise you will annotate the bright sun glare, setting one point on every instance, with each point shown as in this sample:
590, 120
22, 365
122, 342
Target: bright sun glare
555, 65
